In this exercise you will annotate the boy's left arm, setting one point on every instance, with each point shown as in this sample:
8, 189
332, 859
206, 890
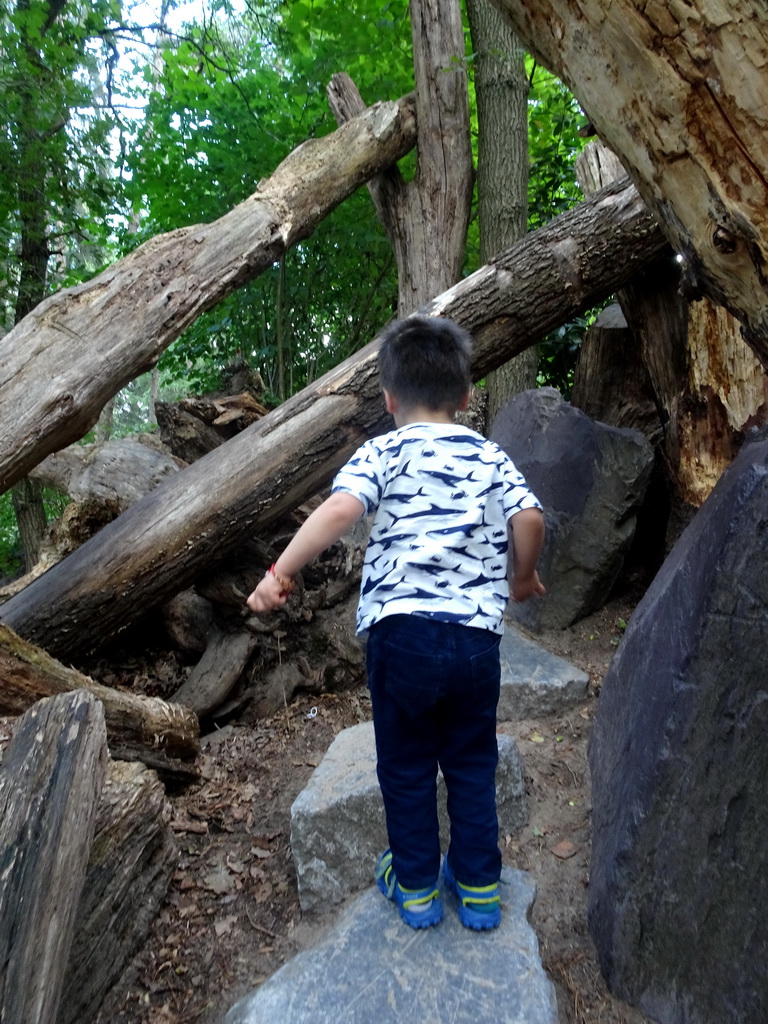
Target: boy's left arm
527, 529
323, 527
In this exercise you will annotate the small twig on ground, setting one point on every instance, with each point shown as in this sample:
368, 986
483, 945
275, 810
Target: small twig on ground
260, 927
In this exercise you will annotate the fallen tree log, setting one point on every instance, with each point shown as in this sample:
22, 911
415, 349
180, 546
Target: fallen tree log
52, 391
163, 542
220, 667
50, 783
139, 728
133, 856
677, 90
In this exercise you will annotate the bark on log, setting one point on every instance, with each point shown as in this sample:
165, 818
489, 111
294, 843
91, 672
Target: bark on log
139, 728
159, 546
188, 619
50, 782
64, 360
133, 856
195, 426
677, 90
79, 521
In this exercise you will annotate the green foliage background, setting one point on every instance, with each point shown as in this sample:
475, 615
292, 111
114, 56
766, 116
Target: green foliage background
144, 132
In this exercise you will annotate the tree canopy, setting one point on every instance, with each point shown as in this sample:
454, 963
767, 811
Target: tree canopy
134, 128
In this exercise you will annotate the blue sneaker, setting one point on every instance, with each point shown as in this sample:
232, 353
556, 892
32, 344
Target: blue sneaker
419, 908
479, 905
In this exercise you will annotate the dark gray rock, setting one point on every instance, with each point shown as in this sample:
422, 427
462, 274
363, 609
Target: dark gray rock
591, 479
337, 821
679, 762
372, 967
535, 682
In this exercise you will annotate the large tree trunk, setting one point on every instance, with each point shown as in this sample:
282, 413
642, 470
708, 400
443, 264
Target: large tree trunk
677, 89
501, 89
708, 385
64, 361
426, 218
34, 253
50, 783
162, 543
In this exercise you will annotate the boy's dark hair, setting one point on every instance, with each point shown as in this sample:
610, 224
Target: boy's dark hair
425, 360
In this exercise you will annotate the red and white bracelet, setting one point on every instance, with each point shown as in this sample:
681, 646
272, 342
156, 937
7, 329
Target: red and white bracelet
286, 586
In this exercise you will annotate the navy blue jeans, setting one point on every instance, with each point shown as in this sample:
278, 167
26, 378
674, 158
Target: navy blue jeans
434, 689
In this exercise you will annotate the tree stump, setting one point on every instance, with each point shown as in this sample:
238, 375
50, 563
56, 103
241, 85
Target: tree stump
50, 783
133, 856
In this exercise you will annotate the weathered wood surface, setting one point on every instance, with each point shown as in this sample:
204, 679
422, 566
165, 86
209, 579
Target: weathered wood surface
75, 350
121, 471
163, 542
50, 783
138, 727
192, 427
726, 395
211, 680
133, 856
708, 384
677, 90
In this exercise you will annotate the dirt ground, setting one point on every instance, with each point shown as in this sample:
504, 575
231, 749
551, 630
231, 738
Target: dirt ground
232, 916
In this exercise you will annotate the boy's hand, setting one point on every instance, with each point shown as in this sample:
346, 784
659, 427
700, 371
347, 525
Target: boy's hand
525, 587
269, 594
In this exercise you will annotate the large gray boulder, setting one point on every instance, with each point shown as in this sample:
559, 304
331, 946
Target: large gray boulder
337, 821
679, 761
370, 967
591, 479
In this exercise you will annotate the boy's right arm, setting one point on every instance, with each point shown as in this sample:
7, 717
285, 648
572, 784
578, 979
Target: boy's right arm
527, 529
323, 527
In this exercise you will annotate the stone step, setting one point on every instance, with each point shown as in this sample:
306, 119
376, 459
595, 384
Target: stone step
534, 682
370, 966
337, 821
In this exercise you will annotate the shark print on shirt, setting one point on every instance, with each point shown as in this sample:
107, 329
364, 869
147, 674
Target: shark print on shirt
442, 496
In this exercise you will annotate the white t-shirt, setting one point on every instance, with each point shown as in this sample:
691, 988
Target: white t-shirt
442, 494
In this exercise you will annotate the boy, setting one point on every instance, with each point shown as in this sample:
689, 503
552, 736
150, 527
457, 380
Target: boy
432, 597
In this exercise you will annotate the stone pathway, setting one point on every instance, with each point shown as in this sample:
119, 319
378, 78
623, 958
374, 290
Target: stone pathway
370, 966
373, 969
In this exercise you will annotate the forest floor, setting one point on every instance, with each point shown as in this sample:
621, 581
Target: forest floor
232, 916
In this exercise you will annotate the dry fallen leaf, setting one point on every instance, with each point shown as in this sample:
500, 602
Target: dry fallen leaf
564, 849
219, 881
256, 851
536, 737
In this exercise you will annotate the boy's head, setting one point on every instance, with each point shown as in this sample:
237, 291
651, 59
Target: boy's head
424, 361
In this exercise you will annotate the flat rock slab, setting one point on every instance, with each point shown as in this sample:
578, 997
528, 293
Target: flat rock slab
535, 682
370, 966
337, 821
